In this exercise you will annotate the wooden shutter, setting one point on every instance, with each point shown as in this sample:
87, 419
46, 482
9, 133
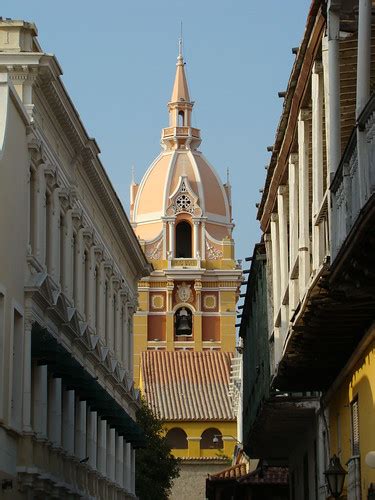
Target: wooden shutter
355, 427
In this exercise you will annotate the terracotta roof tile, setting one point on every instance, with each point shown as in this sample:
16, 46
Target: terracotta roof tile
267, 475
188, 385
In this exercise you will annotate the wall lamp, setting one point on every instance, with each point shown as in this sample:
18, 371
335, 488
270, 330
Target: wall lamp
335, 476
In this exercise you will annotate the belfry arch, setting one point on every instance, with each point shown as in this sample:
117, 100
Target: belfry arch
183, 240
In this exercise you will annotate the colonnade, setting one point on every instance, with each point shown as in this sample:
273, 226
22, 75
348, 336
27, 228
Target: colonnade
70, 425
64, 245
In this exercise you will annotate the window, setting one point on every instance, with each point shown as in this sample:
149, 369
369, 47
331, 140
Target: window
211, 438
355, 426
177, 439
181, 119
183, 240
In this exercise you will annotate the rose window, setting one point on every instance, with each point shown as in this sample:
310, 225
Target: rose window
183, 203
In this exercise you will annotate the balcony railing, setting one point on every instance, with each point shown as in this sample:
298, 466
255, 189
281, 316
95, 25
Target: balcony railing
354, 182
181, 131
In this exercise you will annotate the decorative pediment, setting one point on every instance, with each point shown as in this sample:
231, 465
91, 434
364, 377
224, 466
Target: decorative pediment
183, 199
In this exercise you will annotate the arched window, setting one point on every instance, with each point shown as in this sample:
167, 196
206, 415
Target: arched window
183, 240
177, 439
181, 117
211, 438
183, 322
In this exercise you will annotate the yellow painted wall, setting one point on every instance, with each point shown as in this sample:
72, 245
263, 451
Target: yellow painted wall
195, 430
361, 384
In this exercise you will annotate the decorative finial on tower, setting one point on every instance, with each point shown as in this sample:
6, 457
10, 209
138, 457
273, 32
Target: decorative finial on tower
180, 43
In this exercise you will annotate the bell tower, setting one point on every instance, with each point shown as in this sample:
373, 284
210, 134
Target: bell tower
181, 213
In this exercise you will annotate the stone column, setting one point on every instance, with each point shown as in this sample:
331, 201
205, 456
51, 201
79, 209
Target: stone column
169, 324
118, 325
102, 446
91, 437
131, 311
111, 444
275, 263
40, 399
132, 473
164, 256
67, 278
195, 238
55, 411
363, 92
282, 199
79, 272
80, 430
127, 466
110, 315
100, 320
293, 229
91, 291
171, 226
40, 216
26, 406
68, 421
203, 240
54, 232
119, 460
125, 331
333, 25
317, 91
304, 208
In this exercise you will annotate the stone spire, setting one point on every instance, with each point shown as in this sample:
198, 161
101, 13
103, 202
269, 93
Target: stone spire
180, 88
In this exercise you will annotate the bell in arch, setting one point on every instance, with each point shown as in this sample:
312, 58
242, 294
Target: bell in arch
183, 322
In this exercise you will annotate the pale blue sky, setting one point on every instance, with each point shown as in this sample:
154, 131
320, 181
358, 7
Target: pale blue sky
118, 58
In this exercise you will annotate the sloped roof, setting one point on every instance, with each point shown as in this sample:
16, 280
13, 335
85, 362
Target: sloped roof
188, 385
266, 475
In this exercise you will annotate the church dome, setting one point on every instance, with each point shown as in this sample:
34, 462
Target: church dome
180, 183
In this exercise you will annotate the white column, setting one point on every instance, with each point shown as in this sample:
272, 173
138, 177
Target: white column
40, 216
118, 325
100, 320
110, 316
132, 472
68, 421
195, 238
102, 446
293, 228
127, 466
55, 411
304, 211
40, 391
111, 444
91, 290
91, 437
79, 272
364, 55
119, 460
80, 430
363, 92
26, 406
125, 332
67, 281
54, 232
282, 207
203, 240
333, 22
131, 310
317, 91
171, 225
164, 240
275, 263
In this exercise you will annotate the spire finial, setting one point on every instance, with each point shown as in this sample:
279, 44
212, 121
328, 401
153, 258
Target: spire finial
180, 42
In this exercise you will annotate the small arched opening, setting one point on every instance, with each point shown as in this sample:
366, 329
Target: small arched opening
181, 118
177, 439
211, 438
183, 240
183, 322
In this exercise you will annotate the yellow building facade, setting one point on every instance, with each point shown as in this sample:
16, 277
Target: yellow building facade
351, 406
184, 328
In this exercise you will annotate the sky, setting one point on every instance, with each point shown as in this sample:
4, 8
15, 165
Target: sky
118, 59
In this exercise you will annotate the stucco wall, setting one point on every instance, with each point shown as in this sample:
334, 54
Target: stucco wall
191, 485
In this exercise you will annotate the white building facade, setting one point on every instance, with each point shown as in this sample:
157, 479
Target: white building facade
69, 266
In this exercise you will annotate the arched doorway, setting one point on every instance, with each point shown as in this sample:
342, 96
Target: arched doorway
183, 240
